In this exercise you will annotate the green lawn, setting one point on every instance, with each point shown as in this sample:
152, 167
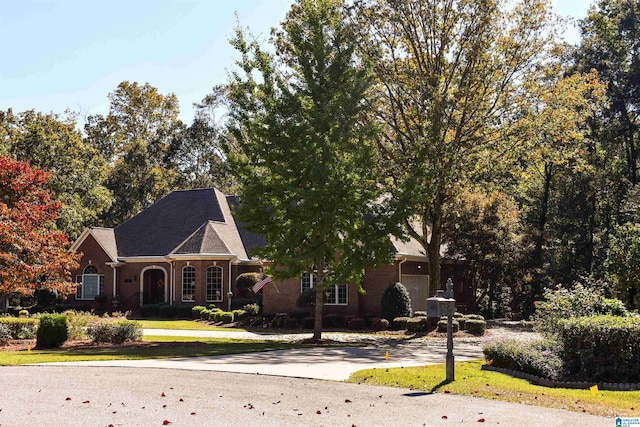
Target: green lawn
183, 325
160, 347
472, 381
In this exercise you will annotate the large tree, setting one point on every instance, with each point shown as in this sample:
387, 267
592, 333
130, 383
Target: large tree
447, 74
134, 138
302, 150
33, 253
78, 170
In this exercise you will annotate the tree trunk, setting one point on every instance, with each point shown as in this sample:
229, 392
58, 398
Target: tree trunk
317, 321
433, 252
542, 219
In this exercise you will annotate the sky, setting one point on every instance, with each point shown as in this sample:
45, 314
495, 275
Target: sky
71, 54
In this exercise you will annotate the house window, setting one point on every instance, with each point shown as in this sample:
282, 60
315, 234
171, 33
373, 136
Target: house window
188, 283
214, 284
91, 284
335, 294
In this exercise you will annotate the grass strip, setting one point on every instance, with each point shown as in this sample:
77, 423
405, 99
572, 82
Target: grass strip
159, 347
184, 325
472, 381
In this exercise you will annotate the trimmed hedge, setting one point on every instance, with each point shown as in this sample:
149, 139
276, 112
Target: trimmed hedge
540, 358
400, 323
356, 323
115, 332
52, 331
195, 311
601, 348
5, 334
417, 324
442, 326
475, 327
378, 324
20, 328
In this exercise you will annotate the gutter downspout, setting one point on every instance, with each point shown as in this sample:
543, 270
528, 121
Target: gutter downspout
402, 261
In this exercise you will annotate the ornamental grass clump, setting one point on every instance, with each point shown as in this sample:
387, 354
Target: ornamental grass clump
538, 357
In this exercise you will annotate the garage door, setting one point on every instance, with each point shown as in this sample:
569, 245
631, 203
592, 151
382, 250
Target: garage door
418, 287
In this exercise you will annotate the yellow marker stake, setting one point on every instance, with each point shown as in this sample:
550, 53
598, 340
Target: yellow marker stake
594, 389
29, 349
386, 356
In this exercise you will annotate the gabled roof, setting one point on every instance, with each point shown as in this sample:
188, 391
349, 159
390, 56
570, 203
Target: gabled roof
206, 240
105, 237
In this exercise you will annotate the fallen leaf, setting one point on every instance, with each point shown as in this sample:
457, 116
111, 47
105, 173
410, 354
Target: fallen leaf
114, 412
164, 406
444, 417
163, 395
68, 398
318, 412
193, 413
347, 401
481, 420
166, 422
275, 403
447, 392
181, 400
86, 401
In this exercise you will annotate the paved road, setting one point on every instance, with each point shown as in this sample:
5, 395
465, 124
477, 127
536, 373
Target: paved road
109, 396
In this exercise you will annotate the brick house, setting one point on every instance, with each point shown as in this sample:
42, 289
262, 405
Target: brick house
187, 249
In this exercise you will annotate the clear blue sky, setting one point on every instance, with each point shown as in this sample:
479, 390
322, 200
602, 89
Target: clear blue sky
71, 54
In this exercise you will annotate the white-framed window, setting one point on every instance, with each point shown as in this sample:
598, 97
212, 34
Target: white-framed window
188, 283
90, 283
335, 294
214, 284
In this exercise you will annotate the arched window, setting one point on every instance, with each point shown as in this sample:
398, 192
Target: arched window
214, 284
188, 283
91, 284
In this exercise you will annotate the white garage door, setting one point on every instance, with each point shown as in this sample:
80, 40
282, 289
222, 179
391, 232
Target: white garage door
418, 287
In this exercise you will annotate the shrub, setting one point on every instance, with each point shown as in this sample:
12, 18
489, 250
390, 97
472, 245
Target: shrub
417, 324
238, 303
205, 314
356, 323
291, 323
226, 317
601, 348
195, 311
378, 324
52, 331
306, 298
475, 317
442, 325
419, 314
308, 323
150, 310
239, 314
77, 322
396, 302
20, 328
23, 313
214, 315
458, 315
252, 309
5, 334
580, 301
333, 321
400, 323
540, 357
167, 311
462, 321
115, 332
247, 280
476, 327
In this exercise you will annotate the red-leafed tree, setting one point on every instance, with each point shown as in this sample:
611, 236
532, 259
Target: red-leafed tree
33, 253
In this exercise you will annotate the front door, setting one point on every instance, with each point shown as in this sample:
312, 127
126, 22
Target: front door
153, 286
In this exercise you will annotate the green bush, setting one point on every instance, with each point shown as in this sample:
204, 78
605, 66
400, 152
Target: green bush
396, 302
540, 357
308, 323
378, 324
20, 328
77, 322
476, 327
247, 280
196, 310
462, 321
226, 317
238, 303
252, 309
23, 313
52, 331
601, 348
5, 334
400, 323
442, 325
291, 323
214, 315
306, 298
474, 317
115, 332
419, 314
356, 324
239, 314
205, 314
458, 315
333, 321
580, 301
150, 310
167, 311
417, 324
